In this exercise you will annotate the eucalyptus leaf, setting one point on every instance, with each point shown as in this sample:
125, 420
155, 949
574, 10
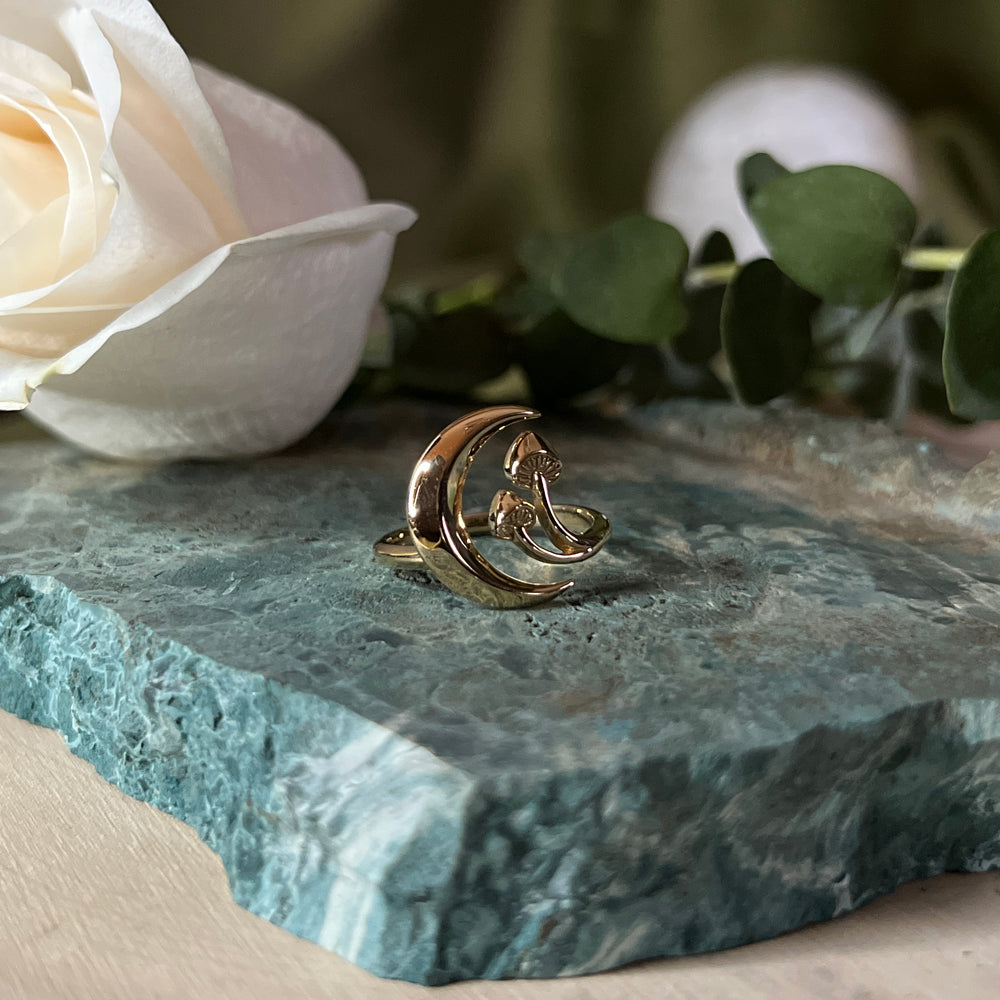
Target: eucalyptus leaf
716, 248
525, 305
480, 291
837, 231
766, 332
543, 255
623, 282
451, 353
701, 338
925, 337
563, 360
755, 171
972, 335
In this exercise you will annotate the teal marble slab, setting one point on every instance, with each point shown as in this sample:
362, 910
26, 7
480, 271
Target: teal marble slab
775, 696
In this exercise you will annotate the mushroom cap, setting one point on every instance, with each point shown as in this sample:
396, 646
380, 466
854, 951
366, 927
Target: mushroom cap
508, 512
528, 455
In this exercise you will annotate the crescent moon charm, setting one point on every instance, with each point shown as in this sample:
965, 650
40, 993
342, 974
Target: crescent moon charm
439, 535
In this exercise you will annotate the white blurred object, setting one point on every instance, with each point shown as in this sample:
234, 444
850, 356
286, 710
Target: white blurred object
803, 116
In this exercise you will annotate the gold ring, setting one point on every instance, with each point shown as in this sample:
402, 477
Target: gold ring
438, 536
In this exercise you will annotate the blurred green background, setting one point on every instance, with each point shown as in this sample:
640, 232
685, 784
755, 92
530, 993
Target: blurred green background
495, 117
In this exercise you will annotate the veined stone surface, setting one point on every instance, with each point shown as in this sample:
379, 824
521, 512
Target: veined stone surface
774, 696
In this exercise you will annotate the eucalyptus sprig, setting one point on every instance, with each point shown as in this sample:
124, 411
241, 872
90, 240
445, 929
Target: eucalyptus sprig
853, 306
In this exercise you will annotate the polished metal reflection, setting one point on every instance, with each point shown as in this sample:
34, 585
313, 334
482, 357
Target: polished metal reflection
439, 534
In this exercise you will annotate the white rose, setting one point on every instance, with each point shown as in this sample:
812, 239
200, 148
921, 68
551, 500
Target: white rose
187, 265
802, 115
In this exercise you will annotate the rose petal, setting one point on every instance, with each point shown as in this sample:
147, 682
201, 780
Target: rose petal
32, 253
35, 23
21, 62
161, 97
18, 377
244, 353
67, 131
174, 209
34, 173
288, 168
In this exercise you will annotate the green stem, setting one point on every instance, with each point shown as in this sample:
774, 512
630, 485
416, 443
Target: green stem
710, 275
916, 259
934, 258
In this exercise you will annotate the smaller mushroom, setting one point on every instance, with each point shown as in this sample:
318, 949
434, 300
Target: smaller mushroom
508, 512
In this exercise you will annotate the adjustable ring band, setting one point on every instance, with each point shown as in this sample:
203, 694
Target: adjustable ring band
396, 548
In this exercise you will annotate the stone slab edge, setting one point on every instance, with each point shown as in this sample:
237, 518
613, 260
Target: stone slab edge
350, 836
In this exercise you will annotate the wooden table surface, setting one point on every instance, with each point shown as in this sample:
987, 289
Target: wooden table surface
104, 897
